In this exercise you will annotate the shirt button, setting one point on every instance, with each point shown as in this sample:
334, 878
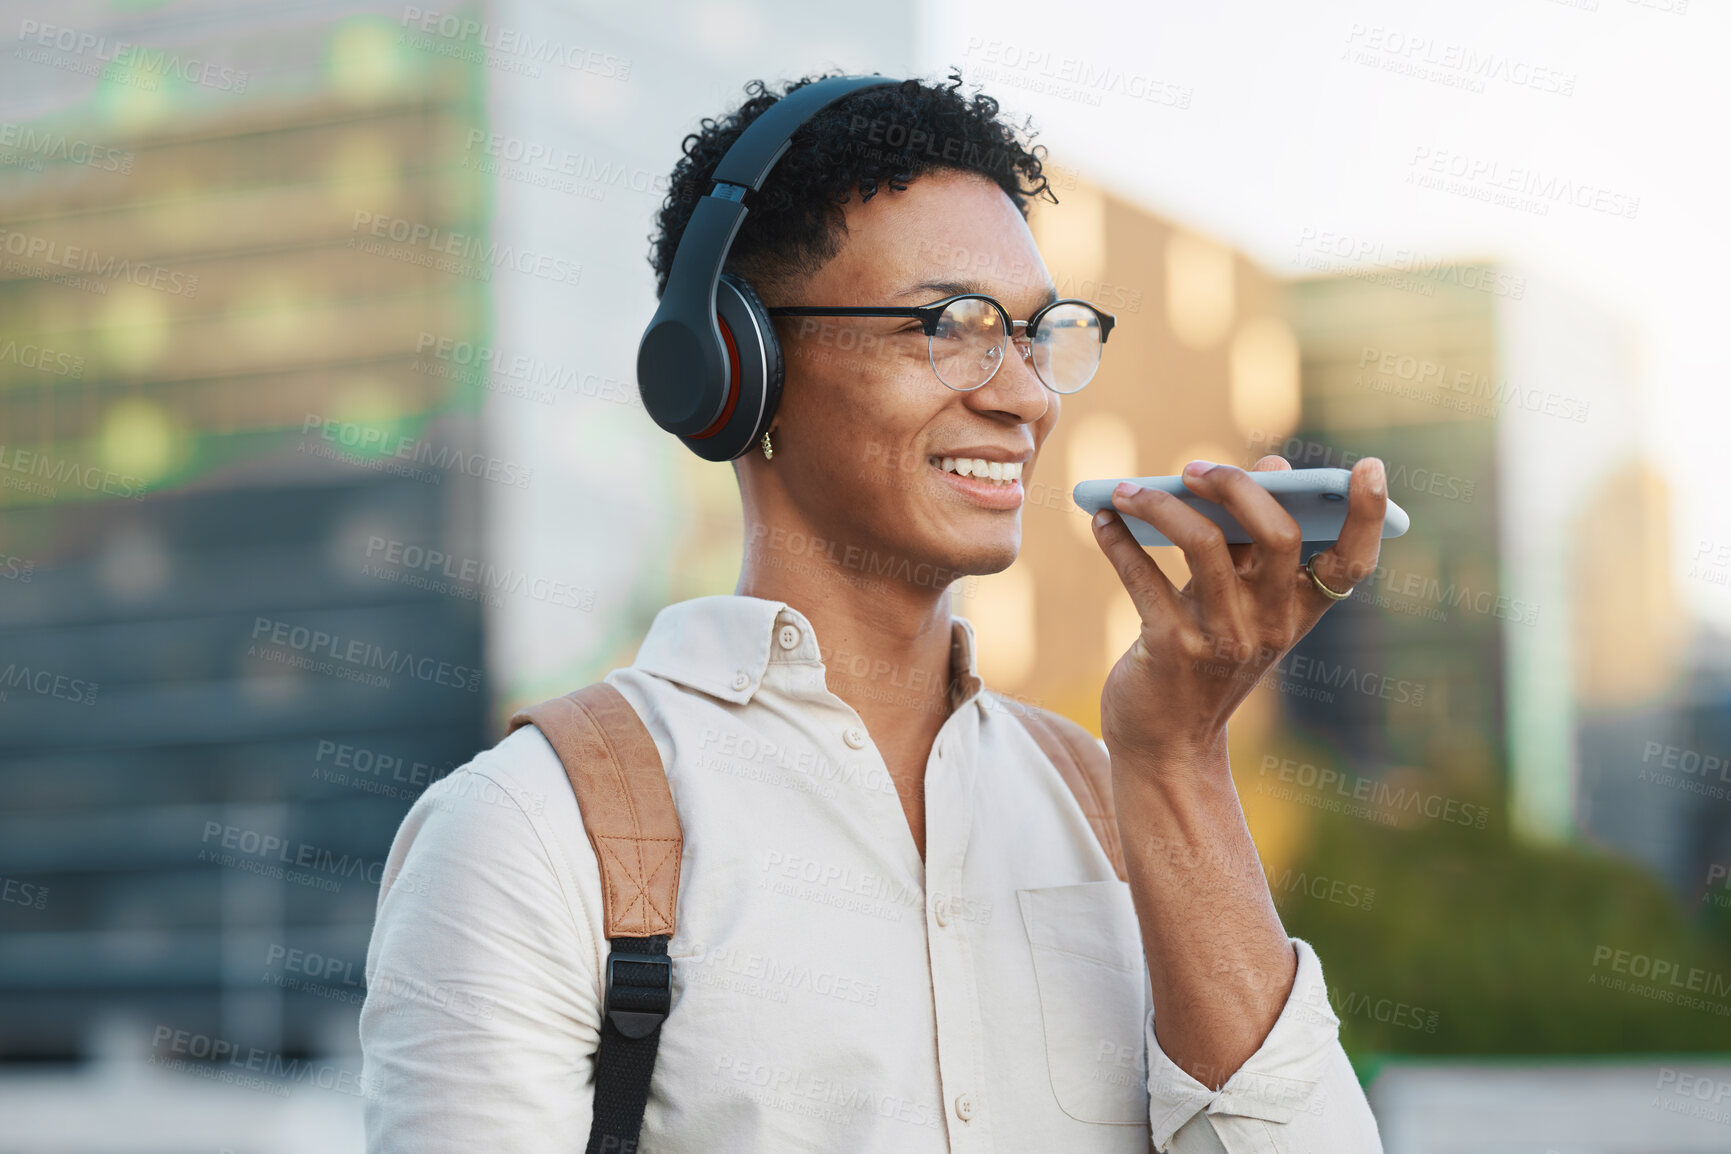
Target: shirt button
788, 637
855, 737
964, 1106
740, 680
941, 911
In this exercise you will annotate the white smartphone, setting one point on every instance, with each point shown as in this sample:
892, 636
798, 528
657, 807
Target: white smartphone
1316, 499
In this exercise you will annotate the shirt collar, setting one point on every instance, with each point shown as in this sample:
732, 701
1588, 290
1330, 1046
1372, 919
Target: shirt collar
722, 646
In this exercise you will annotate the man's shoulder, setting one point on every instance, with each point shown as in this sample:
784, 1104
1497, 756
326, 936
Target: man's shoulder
521, 769
1044, 724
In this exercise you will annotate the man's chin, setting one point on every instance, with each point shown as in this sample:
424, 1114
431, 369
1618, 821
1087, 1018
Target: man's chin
985, 558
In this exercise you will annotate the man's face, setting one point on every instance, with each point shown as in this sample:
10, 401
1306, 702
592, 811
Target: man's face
865, 424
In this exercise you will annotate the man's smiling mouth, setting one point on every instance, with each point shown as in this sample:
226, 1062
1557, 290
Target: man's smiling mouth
1003, 472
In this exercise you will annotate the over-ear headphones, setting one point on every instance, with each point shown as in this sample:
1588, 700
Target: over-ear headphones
709, 367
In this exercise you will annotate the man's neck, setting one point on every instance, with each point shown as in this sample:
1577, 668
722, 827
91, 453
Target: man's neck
885, 639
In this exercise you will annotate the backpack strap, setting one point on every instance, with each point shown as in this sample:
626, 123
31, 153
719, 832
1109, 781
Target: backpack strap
1086, 769
628, 813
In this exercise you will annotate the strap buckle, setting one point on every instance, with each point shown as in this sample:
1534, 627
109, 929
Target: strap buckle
638, 1000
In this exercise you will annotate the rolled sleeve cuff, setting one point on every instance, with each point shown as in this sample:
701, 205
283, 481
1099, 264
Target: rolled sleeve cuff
1281, 1080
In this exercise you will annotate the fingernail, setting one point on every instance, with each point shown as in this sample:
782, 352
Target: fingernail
1197, 468
1126, 489
1378, 480
1102, 519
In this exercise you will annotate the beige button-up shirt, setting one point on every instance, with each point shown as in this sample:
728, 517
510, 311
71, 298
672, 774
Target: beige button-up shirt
831, 991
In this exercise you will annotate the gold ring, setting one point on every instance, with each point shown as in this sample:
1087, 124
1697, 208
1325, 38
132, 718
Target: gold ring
1310, 568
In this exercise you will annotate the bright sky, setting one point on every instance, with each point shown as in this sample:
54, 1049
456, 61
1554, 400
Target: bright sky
1302, 115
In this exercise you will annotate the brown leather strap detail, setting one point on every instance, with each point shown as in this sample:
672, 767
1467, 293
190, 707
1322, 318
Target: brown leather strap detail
1086, 769
627, 808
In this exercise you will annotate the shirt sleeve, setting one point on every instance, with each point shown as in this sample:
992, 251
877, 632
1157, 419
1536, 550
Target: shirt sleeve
483, 1002
1296, 1095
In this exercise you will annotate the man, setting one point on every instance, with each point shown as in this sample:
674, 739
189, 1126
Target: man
897, 930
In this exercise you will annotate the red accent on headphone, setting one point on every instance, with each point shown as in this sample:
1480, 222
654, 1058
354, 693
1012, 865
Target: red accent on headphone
733, 389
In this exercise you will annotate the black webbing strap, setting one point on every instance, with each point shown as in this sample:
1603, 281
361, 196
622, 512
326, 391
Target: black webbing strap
639, 993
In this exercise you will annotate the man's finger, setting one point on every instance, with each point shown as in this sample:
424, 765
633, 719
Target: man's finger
1272, 463
1353, 557
1150, 589
1212, 574
1275, 536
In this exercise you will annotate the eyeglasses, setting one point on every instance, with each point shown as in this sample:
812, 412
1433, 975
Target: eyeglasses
967, 335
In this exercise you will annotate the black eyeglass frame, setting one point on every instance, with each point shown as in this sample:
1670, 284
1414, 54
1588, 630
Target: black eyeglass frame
928, 317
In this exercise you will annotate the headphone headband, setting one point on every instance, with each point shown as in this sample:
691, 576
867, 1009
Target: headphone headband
767, 138
685, 366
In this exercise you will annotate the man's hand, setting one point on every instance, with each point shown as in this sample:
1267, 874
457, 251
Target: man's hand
1219, 962
1203, 648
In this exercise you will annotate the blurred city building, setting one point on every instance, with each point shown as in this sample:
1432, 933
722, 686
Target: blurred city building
1506, 411
230, 657
1410, 671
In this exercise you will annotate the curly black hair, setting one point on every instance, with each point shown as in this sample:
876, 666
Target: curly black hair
872, 138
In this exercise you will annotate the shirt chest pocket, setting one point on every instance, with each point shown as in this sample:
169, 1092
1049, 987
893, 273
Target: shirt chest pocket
1087, 952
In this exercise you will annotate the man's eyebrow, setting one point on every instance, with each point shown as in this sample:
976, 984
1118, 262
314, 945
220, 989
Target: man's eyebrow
938, 289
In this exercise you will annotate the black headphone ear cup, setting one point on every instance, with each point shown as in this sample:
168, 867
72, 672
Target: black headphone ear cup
753, 348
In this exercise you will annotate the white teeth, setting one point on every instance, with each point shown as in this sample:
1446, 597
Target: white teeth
1003, 471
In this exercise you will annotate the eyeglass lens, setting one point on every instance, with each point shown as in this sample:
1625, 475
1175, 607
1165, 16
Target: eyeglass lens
969, 344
